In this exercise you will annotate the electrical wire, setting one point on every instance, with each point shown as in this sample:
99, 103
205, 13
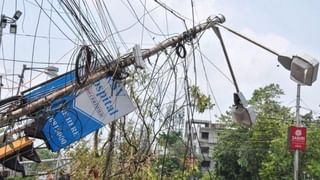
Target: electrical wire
208, 82
161, 75
55, 23
49, 36
14, 50
92, 36
1, 46
150, 31
172, 11
171, 118
34, 39
40, 62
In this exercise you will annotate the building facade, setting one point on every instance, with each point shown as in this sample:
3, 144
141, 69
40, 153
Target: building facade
204, 139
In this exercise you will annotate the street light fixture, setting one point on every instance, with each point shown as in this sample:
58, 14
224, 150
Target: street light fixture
17, 15
242, 112
51, 71
9, 20
13, 28
303, 71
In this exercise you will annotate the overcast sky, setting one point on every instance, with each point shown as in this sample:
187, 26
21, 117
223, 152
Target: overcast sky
287, 26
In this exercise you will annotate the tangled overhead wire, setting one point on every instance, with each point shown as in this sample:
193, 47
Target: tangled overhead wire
181, 50
87, 62
7, 105
189, 35
83, 65
119, 74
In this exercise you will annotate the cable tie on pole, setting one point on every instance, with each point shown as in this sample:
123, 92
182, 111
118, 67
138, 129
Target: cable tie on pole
181, 50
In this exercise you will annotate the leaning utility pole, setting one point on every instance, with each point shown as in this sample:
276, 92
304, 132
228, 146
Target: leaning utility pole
120, 62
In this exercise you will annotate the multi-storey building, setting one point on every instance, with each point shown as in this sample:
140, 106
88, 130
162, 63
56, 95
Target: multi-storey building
204, 140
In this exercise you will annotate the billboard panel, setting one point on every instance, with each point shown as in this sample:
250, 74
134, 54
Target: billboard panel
78, 114
297, 138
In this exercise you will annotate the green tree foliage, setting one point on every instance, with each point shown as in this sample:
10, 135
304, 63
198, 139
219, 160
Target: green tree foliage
170, 139
202, 101
173, 164
245, 153
85, 162
43, 166
137, 139
227, 154
279, 161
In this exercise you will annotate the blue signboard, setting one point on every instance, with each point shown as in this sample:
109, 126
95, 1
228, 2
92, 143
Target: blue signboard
77, 115
50, 86
68, 124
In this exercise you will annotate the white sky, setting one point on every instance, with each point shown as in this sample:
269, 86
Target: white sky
287, 26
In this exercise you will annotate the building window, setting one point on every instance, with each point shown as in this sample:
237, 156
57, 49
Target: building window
205, 164
206, 125
205, 135
205, 150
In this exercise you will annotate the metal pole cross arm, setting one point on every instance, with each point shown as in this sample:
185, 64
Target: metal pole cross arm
122, 61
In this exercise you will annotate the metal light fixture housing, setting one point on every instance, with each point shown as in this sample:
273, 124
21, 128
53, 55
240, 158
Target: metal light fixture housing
304, 69
17, 15
3, 21
244, 114
285, 61
13, 28
52, 71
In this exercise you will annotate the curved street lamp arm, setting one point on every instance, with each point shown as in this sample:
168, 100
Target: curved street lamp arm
250, 40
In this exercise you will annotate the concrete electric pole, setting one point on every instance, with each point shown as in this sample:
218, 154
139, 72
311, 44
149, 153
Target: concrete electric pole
121, 62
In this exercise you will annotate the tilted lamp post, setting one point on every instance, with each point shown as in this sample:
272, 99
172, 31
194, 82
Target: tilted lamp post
51, 71
244, 114
303, 71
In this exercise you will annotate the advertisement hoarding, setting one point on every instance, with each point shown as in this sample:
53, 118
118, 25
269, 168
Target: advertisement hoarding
80, 113
297, 138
